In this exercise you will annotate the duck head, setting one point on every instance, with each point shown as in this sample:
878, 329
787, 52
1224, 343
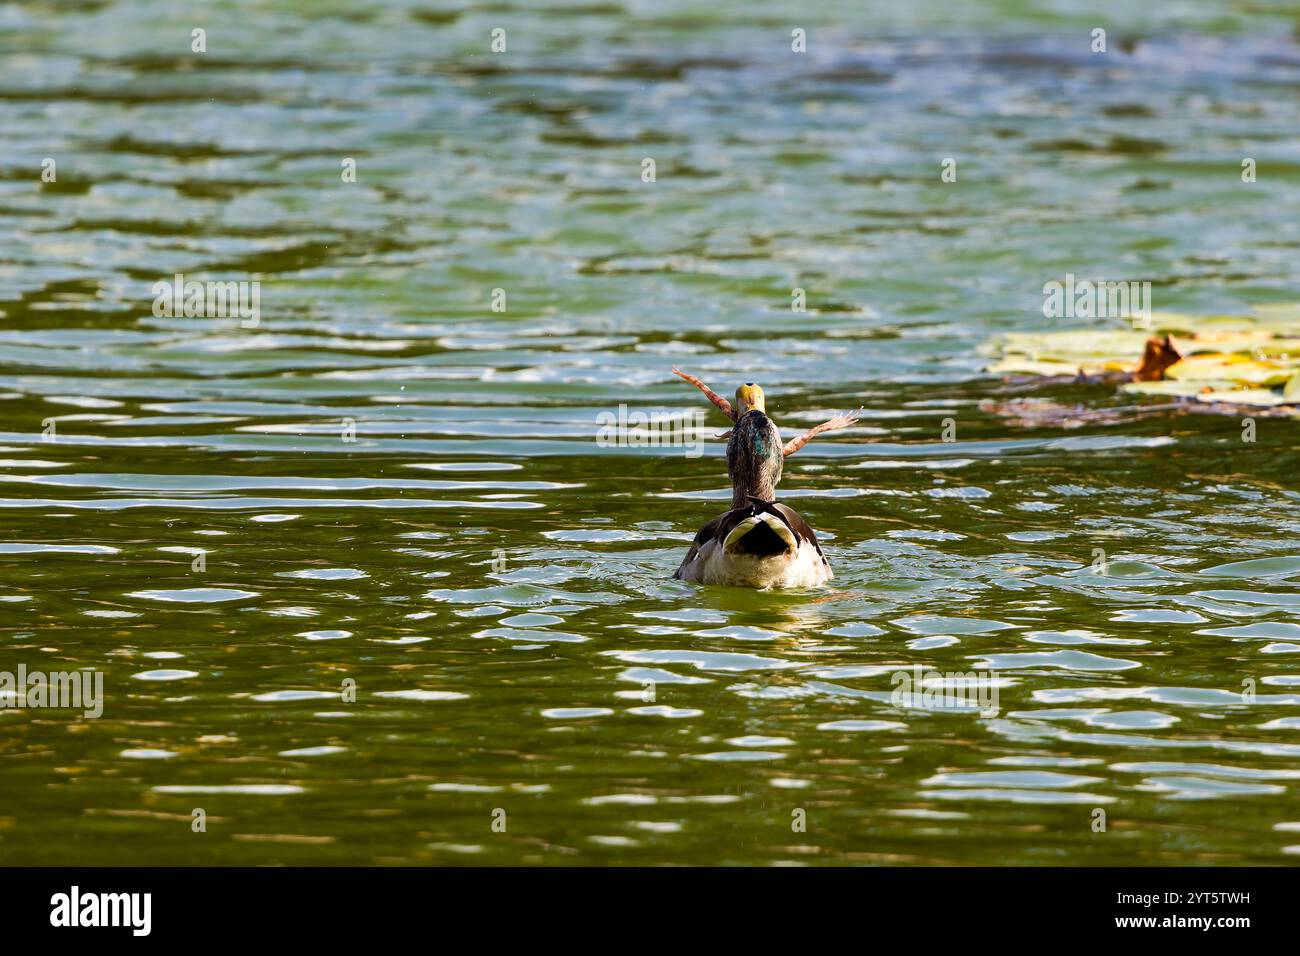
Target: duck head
749, 397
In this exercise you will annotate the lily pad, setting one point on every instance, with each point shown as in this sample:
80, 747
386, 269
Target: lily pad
1075, 347
1018, 365
1228, 359
1286, 350
1279, 315
1244, 396
1225, 394
1281, 318
1228, 367
1166, 388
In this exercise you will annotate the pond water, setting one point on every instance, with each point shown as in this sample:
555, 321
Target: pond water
363, 586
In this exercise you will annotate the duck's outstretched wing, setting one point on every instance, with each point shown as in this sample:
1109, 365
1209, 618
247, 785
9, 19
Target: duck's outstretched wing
709, 393
839, 421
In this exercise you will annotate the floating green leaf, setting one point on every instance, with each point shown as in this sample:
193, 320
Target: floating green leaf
1166, 388
1237, 359
1222, 367
1243, 396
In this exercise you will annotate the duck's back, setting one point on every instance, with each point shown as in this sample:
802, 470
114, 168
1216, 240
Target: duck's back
764, 544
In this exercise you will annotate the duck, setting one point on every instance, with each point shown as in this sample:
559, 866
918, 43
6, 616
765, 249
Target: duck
761, 542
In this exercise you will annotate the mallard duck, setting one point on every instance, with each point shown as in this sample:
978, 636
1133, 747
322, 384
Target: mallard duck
760, 542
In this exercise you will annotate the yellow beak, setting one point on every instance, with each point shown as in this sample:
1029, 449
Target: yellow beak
749, 397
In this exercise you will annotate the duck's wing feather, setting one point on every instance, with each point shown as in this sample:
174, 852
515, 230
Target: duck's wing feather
722, 526
796, 524
839, 421
704, 536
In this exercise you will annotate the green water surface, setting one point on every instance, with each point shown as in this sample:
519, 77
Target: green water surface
455, 639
